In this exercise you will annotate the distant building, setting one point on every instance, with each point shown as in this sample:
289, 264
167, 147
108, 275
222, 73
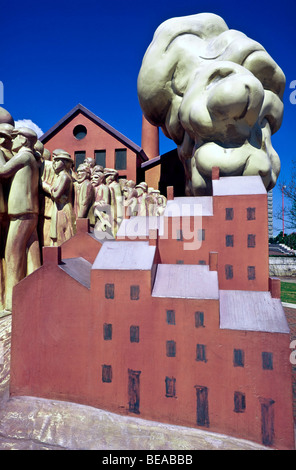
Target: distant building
83, 134
176, 321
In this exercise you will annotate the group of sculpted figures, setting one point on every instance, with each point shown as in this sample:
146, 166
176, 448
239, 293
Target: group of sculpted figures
41, 197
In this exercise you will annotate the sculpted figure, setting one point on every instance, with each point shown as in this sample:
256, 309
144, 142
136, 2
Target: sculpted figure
142, 189
90, 162
116, 204
22, 254
63, 221
130, 198
83, 191
47, 176
217, 94
101, 209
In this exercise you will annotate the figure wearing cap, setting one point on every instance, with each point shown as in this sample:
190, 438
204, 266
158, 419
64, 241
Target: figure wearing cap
63, 222
22, 253
83, 191
142, 189
116, 199
101, 198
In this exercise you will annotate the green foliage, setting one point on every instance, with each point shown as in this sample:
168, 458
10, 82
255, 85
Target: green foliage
287, 239
288, 292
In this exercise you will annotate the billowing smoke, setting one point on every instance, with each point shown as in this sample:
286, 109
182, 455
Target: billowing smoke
217, 94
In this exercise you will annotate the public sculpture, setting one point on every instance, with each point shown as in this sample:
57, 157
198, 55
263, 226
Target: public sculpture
83, 191
217, 94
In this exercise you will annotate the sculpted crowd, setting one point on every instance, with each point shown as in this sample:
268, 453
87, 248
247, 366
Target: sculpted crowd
41, 196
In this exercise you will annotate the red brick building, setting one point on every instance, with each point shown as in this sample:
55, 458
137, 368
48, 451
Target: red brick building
83, 134
175, 321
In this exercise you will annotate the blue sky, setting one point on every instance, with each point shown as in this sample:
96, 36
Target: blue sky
57, 54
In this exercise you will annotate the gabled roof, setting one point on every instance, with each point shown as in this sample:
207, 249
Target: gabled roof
81, 109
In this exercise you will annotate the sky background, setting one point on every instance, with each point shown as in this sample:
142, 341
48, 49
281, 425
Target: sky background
57, 54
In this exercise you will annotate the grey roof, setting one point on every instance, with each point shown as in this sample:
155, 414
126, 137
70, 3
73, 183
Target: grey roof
185, 206
139, 226
78, 268
251, 311
111, 130
125, 255
185, 281
238, 186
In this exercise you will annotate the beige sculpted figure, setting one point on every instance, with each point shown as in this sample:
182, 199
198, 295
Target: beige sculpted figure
63, 223
217, 94
83, 191
22, 254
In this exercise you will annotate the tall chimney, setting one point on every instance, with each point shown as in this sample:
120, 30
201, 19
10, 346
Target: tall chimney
150, 139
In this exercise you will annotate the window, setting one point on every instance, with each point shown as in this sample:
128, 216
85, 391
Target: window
251, 213
229, 213
267, 361
251, 273
171, 348
238, 358
179, 235
100, 157
106, 373
120, 159
201, 261
135, 292
251, 241
134, 334
79, 158
107, 331
201, 353
170, 317
199, 319
228, 271
229, 240
180, 261
201, 234
109, 291
239, 402
79, 132
170, 387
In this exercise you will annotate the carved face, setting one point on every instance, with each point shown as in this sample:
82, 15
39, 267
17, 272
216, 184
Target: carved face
97, 178
217, 94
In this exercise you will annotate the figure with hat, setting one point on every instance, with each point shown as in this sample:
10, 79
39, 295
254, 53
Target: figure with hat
83, 191
116, 199
5, 154
63, 221
142, 189
22, 253
99, 213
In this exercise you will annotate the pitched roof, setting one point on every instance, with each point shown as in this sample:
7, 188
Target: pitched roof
125, 255
81, 109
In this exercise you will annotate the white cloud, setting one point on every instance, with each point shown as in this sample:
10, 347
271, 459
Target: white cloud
30, 124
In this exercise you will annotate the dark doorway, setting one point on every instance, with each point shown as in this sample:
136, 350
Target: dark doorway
134, 391
267, 421
202, 407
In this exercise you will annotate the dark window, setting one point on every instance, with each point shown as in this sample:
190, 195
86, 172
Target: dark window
180, 261
135, 292
229, 213
251, 241
201, 353
239, 402
134, 334
238, 358
267, 421
106, 373
100, 157
109, 291
120, 159
201, 234
170, 387
179, 235
199, 319
201, 261
170, 317
228, 271
267, 361
134, 391
107, 330
251, 213
251, 273
79, 158
171, 348
79, 132
229, 240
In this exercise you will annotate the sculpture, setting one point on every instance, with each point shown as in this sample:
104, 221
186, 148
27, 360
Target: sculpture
63, 217
22, 254
83, 191
217, 94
